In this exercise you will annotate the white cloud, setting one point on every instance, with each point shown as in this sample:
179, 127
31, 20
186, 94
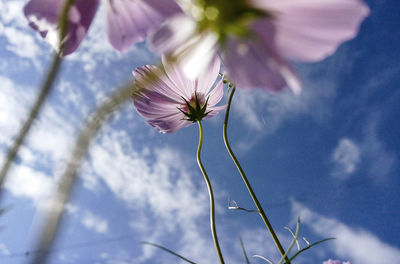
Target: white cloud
13, 102
346, 157
4, 250
29, 183
370, 155
95, 223
20, 38
356, 244
159, 186
265, 111
12, 12
380, 160
21, 43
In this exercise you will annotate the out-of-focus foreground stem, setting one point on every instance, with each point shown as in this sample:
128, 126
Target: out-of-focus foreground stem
44, 92
89, 131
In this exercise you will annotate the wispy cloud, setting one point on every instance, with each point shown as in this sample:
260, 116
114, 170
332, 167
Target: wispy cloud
95, 223
346, 157
353, 243
13, 107
158, 186
30, 183
264, 111
20, 39
381, 161
4, 250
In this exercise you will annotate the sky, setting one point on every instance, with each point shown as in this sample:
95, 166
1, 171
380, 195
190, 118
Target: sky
329, 156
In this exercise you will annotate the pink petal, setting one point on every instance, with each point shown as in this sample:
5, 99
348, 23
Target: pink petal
151, 79
43, 16
175, 73
214, 111
257, 64
169, 124
310, 30
129, 21
173, 34
216, 94
178, 39
209, 76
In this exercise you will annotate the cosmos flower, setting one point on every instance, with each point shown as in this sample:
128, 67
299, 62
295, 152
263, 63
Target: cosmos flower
330, 261
256, 37
128, 21
170, 101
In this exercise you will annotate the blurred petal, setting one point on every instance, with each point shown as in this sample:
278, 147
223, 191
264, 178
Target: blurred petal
129, 21
197, 54
172, 34
43, 16
179, 40
310, 30
257, 64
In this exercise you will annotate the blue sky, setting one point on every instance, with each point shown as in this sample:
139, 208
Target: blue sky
329, 155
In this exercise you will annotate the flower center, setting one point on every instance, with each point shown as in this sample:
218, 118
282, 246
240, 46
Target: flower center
227, 18
195, 109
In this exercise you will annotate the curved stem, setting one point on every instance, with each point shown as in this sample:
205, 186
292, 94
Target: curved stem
44, 92
247, 183
67, 180
210, 192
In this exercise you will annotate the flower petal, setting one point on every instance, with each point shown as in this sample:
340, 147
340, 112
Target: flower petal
172, 34
169, 124
129, 21
310, 30
149, 109
43, 16
208, 77
151, 80
177, 76
179, 40
216, 94
264, 67
214, 111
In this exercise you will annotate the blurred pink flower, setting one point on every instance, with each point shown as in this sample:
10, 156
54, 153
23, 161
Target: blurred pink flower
128, 21
255, 39
170, 101
330, 261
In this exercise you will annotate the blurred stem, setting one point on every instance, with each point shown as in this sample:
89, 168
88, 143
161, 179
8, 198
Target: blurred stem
67, 180
44, 92
210, 192
247, 183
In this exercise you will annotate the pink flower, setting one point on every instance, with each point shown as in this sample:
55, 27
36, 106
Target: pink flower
128, 21
170, 101
330, 261
256, 37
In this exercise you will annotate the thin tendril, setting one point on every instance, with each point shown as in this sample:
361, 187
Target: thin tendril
210, 192
44, 92
247, 183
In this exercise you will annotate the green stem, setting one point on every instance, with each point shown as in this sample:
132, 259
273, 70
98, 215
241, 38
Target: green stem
210, 192
44, 92
247, 183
